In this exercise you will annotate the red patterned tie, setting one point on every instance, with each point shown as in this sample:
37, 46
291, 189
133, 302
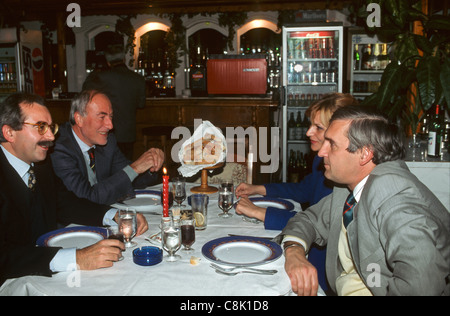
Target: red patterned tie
92, 158
348, 209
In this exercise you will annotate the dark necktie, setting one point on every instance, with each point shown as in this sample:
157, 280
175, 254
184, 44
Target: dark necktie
348, 209
91, 158
31, 178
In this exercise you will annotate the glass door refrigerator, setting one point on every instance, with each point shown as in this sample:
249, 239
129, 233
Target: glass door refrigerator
21, 62
312, 67
369, 59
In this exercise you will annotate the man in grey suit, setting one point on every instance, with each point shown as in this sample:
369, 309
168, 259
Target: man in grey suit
107, 176
394, 241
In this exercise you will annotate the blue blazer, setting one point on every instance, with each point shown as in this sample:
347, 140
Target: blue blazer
113, 183
310, 190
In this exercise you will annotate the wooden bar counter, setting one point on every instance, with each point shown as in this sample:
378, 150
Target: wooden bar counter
222, 112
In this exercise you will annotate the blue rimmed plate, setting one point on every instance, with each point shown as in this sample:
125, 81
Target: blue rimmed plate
272, 202
144, 201
72, 237
241, 250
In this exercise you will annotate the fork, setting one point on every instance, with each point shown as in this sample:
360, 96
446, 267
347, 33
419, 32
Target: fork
243, 271
226, 270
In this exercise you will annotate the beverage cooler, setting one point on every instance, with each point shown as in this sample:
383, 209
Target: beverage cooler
312, 67
369, 59
21, 62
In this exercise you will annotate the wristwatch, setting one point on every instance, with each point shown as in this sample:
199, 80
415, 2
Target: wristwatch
293, 245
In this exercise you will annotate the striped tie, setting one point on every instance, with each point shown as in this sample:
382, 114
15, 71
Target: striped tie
91, 158
31, 179
348, 209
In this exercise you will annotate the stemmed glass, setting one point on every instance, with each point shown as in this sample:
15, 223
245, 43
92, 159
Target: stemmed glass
179, 190
226, 198
187, 234
171, 240
128, 226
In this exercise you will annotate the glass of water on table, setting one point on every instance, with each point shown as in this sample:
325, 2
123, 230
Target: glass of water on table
226, 199
128, 226
170, 239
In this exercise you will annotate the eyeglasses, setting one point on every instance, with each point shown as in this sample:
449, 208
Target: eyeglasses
43, 127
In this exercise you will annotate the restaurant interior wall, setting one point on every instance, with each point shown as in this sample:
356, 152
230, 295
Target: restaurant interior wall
91, 26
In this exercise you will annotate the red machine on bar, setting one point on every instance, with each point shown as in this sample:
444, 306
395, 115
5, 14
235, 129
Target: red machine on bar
237, 75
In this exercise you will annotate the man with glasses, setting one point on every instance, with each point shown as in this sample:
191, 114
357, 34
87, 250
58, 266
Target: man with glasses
88, 160
33, 201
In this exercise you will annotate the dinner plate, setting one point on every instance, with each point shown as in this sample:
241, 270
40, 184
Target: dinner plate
241, 250
144, 201
72, 237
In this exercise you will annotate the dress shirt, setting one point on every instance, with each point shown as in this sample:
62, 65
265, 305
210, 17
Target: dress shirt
92, 177
349, 282
65, 259
349, 277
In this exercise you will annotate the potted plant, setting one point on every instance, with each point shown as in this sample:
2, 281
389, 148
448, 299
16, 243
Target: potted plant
418, 76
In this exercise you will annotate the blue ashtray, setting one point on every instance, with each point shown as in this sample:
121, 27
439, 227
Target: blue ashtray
147, 256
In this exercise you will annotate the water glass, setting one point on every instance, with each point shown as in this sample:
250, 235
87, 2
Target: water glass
179, 190
226, 200
128, 226
170, 239
199, 203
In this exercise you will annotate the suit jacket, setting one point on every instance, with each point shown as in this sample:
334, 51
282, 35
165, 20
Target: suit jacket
400, 229
126, 91
113, 183
26, 215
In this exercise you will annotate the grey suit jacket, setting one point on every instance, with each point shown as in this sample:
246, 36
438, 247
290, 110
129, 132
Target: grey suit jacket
399, 238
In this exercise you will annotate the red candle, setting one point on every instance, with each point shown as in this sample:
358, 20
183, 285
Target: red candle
165, 193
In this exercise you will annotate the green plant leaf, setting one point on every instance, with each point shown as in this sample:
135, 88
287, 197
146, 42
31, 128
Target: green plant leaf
391, 78
427, 77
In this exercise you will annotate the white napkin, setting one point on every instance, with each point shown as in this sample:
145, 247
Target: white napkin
206, 131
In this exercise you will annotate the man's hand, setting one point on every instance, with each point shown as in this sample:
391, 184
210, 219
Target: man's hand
301, 272
142, 225
100, 255
246, 207
246, 190
152, 160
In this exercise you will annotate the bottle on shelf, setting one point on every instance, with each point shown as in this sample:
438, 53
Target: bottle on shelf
292, 167
367, 57
356, 58
384, 58
435, 133
298, 126
291, 127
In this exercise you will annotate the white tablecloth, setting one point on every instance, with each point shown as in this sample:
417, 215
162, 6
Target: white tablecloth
173, 279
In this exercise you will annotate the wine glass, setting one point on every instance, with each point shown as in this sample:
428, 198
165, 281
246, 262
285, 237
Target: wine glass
128, 226
112, 232
171, 241
187, 234
179, 190
226, 198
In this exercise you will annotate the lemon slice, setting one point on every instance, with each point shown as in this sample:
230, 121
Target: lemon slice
199, 219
